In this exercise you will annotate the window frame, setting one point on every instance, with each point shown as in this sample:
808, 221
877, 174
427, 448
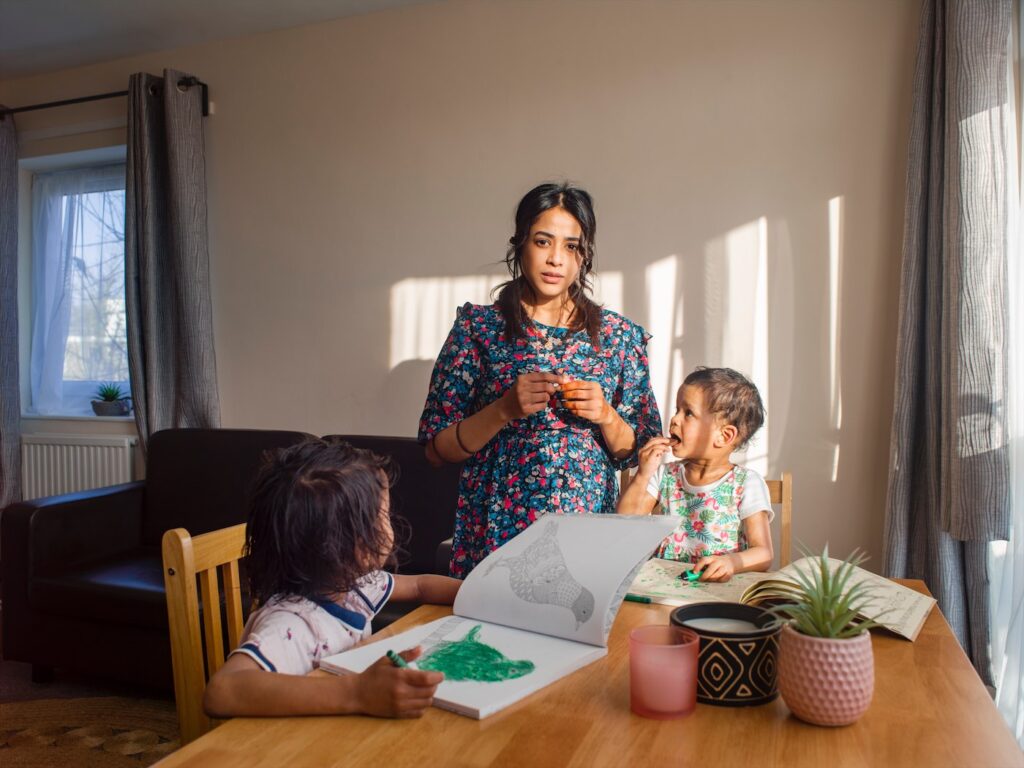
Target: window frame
28, 168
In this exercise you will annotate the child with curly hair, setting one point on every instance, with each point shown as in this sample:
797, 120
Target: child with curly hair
725, 509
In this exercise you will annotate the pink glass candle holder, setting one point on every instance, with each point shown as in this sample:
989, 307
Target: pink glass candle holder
663, 671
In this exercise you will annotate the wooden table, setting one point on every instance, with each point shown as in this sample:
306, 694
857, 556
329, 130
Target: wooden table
929, 709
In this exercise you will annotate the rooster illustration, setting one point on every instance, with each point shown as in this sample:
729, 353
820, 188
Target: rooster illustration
539, 575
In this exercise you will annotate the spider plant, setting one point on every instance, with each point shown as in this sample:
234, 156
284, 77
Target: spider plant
823, 603
109, 392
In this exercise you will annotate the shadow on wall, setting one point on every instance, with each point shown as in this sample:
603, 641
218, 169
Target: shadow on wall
405, 391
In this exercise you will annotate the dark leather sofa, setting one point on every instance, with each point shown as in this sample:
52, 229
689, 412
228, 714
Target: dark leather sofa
82, 579
426, 497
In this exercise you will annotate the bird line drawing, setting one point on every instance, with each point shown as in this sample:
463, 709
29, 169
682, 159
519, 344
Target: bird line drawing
539, 575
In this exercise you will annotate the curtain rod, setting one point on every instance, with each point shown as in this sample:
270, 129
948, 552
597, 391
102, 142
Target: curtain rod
185, 81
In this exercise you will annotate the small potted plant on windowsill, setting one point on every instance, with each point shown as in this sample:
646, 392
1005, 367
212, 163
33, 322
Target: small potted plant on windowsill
111, 401
826, 666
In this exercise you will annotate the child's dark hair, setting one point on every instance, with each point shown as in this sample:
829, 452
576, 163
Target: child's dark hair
314, 519
731, 396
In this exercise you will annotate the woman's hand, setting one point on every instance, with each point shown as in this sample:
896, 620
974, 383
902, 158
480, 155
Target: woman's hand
650, 456
530, 394
385, 690
586, 400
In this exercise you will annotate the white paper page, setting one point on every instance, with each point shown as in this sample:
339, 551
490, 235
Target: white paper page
660, 580
522, 662
562, 575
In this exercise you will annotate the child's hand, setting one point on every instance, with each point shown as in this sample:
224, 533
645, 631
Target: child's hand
650, 456
385, 690
716, 568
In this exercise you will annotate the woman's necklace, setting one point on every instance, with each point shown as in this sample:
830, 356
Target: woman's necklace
548, 341
545, 340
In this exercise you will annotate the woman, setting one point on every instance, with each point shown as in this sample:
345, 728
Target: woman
543, 395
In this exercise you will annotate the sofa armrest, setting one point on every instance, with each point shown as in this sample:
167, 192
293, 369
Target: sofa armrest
42, 534
57, 531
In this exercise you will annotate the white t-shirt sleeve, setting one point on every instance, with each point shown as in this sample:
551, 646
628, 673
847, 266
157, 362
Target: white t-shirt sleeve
280, 641
372, 592
755, 497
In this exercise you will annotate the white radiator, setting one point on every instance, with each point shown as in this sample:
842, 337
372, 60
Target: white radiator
52, 464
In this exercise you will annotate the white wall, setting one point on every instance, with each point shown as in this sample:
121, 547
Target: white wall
375, 159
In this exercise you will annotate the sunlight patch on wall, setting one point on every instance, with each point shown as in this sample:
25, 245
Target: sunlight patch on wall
423, 309
608, 288
736, 316
835, 272
835, 269
665, 324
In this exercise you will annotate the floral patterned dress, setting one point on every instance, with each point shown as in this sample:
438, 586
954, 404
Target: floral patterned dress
550, 461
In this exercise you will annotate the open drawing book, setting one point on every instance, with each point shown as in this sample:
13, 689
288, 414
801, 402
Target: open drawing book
533, 611
897, 608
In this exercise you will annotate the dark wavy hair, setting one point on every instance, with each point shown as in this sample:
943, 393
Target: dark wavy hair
586, 314
731, 396
314, 519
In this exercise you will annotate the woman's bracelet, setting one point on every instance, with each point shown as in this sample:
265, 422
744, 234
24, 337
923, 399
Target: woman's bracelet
458, 439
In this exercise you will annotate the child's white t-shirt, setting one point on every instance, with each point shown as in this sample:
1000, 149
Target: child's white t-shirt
711, 516
291, 634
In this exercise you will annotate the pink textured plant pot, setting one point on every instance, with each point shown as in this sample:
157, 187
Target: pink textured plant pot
823, 680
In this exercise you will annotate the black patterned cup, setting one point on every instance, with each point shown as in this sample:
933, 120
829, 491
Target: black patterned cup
739, 652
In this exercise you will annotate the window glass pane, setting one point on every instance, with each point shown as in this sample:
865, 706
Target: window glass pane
97, 344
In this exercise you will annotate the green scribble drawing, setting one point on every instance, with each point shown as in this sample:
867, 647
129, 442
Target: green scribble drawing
469, 659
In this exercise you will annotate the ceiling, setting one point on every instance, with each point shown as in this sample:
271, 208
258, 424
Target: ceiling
38, 36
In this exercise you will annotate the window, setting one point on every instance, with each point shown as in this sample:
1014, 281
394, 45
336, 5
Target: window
78, 337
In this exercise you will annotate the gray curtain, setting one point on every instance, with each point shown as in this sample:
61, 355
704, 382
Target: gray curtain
948, 492
10, 399
171, 358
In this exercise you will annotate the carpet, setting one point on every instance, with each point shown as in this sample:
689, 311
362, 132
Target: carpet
95, 732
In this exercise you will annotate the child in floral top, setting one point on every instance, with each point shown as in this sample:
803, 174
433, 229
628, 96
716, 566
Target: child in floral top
725, 508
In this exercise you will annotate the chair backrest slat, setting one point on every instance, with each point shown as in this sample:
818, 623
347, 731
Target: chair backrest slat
185, 558
781, 492
210, 591
233, 602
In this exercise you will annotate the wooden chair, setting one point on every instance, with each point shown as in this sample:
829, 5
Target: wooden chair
184, 558
779, 492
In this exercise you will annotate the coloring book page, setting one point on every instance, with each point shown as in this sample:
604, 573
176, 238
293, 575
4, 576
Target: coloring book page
486, 666
663, 581
565, 575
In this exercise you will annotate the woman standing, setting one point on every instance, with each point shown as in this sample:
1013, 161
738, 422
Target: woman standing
543, 395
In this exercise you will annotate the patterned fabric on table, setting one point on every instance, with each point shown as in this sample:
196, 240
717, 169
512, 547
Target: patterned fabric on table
551, 461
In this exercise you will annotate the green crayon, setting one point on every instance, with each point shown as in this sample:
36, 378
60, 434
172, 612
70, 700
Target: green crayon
397, 660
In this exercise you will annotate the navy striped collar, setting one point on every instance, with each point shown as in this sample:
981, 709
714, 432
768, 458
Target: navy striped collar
349, 618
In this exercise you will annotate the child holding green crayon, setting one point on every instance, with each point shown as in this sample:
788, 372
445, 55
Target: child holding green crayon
319, 533
724, 509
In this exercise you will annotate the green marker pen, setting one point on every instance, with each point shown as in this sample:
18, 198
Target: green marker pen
637, 598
